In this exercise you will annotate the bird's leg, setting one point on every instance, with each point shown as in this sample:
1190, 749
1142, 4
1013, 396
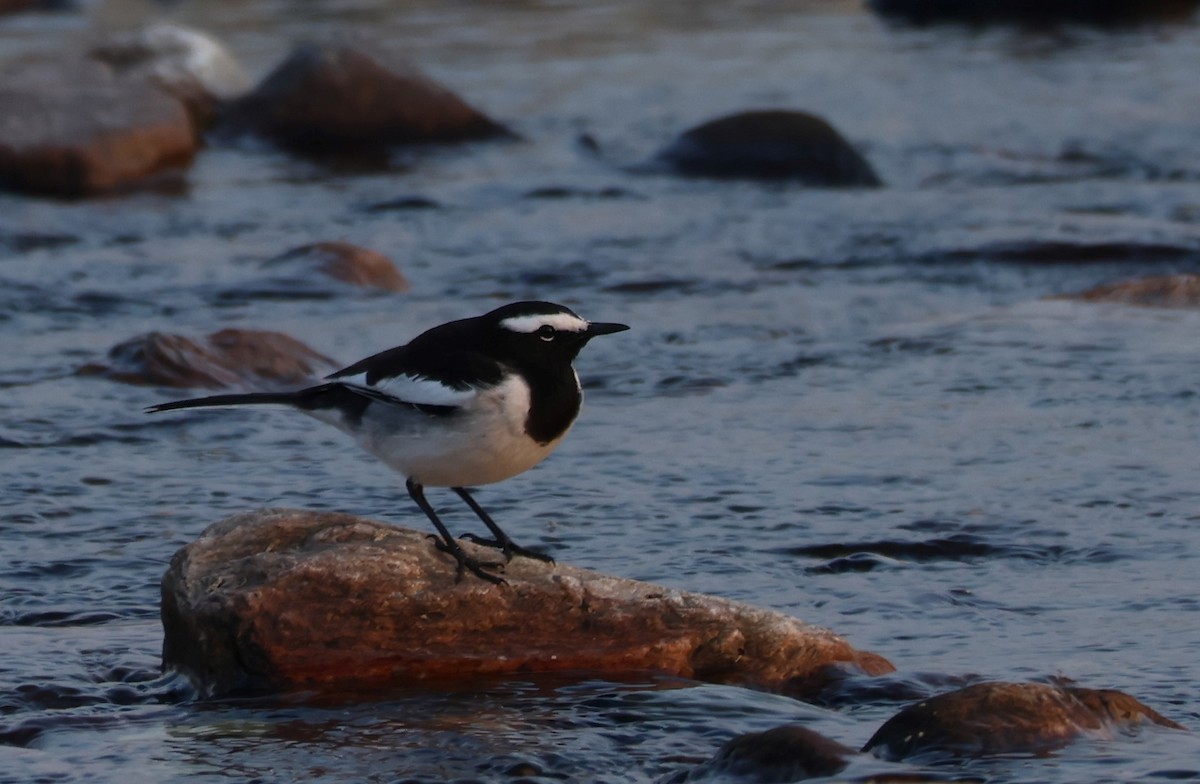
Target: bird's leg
501, 542
447, 544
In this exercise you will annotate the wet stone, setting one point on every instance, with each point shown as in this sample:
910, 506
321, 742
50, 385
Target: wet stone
782, 754
769, 145
327, 99
1159, 291
231, 358
342, 261
1004, 718
282, 599
75, 129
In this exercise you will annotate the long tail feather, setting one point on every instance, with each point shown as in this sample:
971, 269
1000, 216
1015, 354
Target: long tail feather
243, 399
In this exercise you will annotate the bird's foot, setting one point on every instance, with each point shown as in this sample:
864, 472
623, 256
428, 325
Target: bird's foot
509, 548
475, 566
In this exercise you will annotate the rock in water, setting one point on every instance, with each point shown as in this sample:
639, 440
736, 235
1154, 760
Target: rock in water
282, 599
327, 99
1004, 718
231, 358
343, 261
774, 145
783, 754
74, 129
1158, 291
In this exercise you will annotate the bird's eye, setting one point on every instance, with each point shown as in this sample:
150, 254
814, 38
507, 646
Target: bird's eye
546, 332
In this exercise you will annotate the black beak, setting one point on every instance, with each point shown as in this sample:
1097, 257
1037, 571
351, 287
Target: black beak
600, 328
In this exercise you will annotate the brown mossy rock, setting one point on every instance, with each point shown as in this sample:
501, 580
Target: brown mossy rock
74, 129
231, 358
345, 262
782, 754
1159, 291
1037, 12
1004, 718
284, 599
768, 145
330, 98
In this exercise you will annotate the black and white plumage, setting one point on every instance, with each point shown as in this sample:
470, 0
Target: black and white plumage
466, 403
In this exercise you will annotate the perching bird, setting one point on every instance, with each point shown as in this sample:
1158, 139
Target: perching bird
466, 403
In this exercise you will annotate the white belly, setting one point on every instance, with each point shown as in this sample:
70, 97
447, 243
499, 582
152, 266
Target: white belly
482, 443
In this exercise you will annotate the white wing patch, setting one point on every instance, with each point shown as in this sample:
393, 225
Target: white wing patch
418, 390
564, 322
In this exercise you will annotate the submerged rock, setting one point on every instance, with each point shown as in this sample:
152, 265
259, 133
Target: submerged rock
192, 66
326, 99
782, 754
343, 261
1159, 291
75, 129
1098, 12
775, 145
1004, 718
284, 599
238, 358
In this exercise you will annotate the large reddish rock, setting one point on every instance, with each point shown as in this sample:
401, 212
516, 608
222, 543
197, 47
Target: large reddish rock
76, 129
1158, 291
285, 599
231, 358
1004, 718
342, 261
770, 145
330, 98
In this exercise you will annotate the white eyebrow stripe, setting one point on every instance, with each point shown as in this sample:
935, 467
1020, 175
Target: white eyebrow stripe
564, 322
420, 390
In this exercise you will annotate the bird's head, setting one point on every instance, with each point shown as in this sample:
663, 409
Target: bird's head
543, 331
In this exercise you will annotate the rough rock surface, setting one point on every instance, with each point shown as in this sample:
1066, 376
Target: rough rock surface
329, 98
74, 129
1159, 291
237, 358
343, 261
284, 599
1002, 718
787, 753
773, 145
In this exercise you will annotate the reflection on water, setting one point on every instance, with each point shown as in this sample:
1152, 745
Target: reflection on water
854, 406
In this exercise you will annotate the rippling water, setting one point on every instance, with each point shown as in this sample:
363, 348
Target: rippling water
843, 405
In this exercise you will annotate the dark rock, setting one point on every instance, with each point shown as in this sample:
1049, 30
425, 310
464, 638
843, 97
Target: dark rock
783, 754
286, 599
1037, 12
326, 99
345, 262
1160, 291
12, 6
75, 129
230, 358
1004, 718
773, 145
188, 64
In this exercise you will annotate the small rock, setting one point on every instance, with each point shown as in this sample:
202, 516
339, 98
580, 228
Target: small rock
233, 358
1004, 718
345, 262
286, 599
1160, 291
190, 65
327, 99
1037, 12
783, 754
773, 145
75, 130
